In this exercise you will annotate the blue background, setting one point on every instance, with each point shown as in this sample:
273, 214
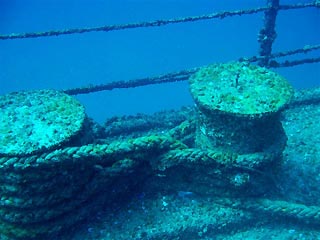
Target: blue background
93, 58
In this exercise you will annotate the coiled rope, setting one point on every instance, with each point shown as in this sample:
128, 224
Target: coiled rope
26, 203
171, 152
107, 153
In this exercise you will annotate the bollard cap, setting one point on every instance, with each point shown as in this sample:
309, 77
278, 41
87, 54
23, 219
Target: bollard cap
37, 121
240, 89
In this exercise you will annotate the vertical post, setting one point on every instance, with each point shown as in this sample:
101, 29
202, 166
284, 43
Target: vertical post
268, 34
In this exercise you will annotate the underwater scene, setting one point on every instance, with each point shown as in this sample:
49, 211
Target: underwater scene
159, 120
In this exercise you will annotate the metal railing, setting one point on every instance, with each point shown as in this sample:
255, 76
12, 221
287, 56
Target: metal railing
266, 38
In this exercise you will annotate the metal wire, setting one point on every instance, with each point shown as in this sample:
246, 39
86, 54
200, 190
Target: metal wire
185, 74
265, 48
167, 78
156, 23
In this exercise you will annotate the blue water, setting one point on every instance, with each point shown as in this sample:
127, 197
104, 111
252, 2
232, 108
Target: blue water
94, 58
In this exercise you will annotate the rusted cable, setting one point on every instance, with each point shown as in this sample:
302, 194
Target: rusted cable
185, 74
156, 23
275, 64
167, 78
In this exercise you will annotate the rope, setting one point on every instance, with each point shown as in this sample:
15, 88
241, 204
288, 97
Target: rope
283, 209
191, 156
156, 23
143, 124
166, 150
114, 159
103, 153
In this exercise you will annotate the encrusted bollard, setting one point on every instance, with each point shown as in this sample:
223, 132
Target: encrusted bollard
239, 106
53, 175
40, 191
35, 194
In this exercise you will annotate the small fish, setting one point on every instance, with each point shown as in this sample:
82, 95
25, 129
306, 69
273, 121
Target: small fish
184, 194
